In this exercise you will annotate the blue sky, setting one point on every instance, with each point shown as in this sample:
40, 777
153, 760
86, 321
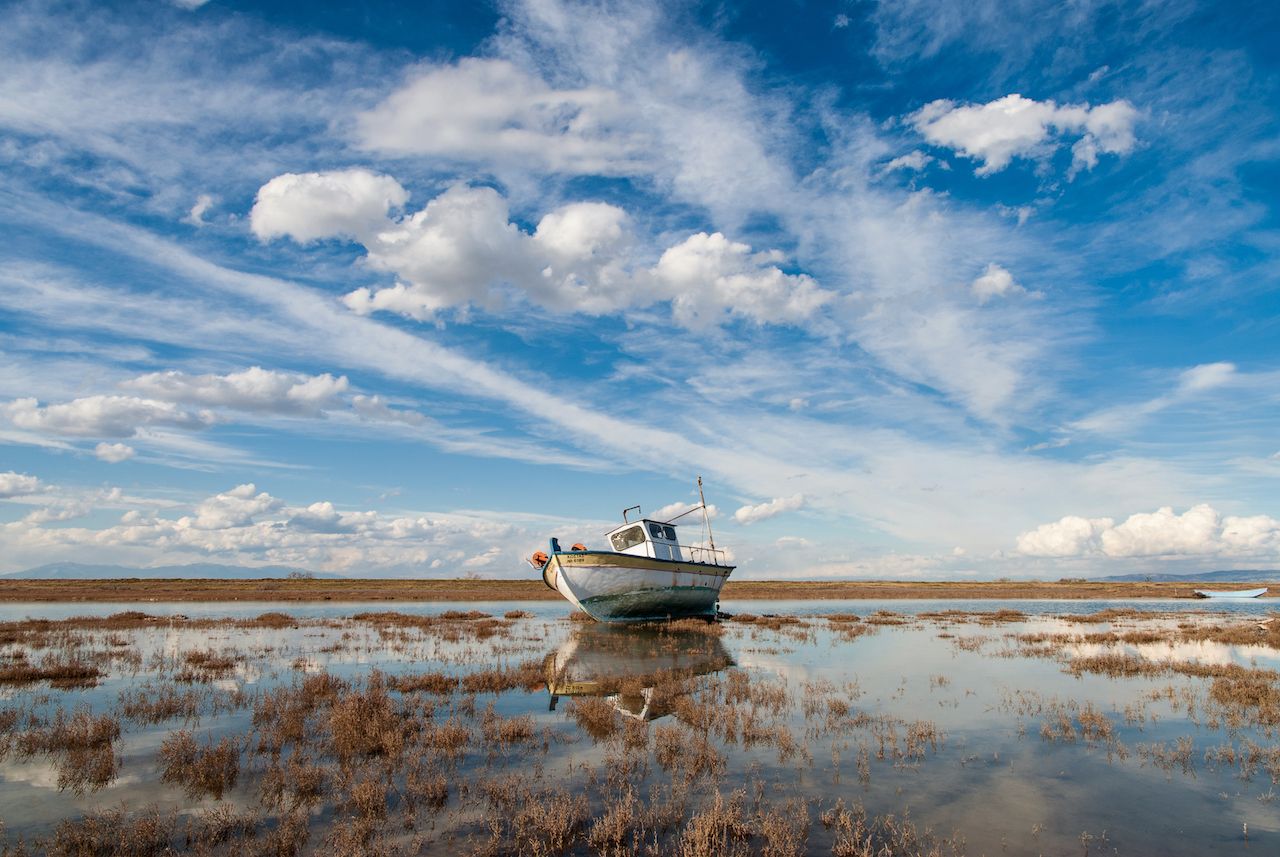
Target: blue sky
922, 290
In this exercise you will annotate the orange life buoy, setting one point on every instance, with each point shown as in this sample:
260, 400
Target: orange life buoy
539, 559
579, 546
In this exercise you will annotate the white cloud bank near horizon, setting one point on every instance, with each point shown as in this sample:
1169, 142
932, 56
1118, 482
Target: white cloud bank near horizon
1199, 531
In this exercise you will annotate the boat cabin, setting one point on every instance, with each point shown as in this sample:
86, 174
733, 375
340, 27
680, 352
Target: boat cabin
646, 538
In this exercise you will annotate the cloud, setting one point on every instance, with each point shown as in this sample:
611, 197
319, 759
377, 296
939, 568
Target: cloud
1189, 384
669, 511
309, 206
233, 508
1013, 126
994, 282
1070, 536
18, 484
776, 506
195, 217
1199, 531
462, 249
114, 453
914, 161
101, 416
489, 109
713, 277
254, 390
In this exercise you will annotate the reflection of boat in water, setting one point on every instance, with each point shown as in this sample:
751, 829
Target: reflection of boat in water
647, 575
1229, 593
625, 665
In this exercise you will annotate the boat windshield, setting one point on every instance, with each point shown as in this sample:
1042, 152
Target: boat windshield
629, 537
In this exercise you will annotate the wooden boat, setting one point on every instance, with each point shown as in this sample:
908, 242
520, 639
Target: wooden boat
1231, 593
646, 576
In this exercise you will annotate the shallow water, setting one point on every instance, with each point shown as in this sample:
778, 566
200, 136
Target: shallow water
960, 721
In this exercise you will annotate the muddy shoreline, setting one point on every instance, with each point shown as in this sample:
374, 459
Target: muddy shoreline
130, 590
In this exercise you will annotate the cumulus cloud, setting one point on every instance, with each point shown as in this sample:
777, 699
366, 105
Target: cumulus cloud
994, 282
669, 511
247, 525
711, 276
1199, 531
101, 416
1070, 536
17, 484
255, 390
482, 109
1013, 126
308, 206
114, 453
233, 508
463, 249
776, 506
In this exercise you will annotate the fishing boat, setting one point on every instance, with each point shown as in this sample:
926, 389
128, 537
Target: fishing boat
1231, 593
644, 574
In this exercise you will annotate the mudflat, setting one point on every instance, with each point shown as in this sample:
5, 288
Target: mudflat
467, 589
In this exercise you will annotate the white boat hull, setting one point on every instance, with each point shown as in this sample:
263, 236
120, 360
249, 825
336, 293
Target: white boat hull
616, 587
1227, 593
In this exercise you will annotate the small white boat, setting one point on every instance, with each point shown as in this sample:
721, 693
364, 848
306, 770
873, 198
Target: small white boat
1230, 593
646, 576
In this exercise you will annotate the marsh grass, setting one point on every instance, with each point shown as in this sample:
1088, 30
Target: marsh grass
430, 754
208, 769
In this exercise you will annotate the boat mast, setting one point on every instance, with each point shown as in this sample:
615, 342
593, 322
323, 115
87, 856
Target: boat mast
705, 517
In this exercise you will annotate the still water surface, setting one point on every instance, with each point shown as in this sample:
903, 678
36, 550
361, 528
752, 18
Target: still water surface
974, 727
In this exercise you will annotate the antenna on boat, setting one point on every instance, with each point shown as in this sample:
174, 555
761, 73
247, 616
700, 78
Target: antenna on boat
706, 519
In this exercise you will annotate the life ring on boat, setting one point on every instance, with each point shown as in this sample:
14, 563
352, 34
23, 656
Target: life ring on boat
578, 546
539, 559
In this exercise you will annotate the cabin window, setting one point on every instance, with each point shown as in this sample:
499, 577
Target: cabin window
627, 538
669, 532
655, 530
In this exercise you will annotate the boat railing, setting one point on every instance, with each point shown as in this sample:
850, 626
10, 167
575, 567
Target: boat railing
710, 556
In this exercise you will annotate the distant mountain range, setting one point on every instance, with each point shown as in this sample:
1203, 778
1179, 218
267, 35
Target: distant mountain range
197, 570
1246, 576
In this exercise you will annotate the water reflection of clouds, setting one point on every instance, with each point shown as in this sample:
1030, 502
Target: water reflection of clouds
1200, 651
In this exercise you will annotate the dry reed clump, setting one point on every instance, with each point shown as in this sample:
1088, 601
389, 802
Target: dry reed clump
427, 787
113, 833
505, 731
281, 716
152, 704
856, 835
62, 672
595, 716
200, 770
527, 675
549, 823
437, 683
1168, 756
207, 665
364, 723
83, 744
450, 738
517, 614
219, 825
721, 829
1253, 691
784, 830
269, 620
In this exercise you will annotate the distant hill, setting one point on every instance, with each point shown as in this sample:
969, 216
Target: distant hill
1245, 576
197, 570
